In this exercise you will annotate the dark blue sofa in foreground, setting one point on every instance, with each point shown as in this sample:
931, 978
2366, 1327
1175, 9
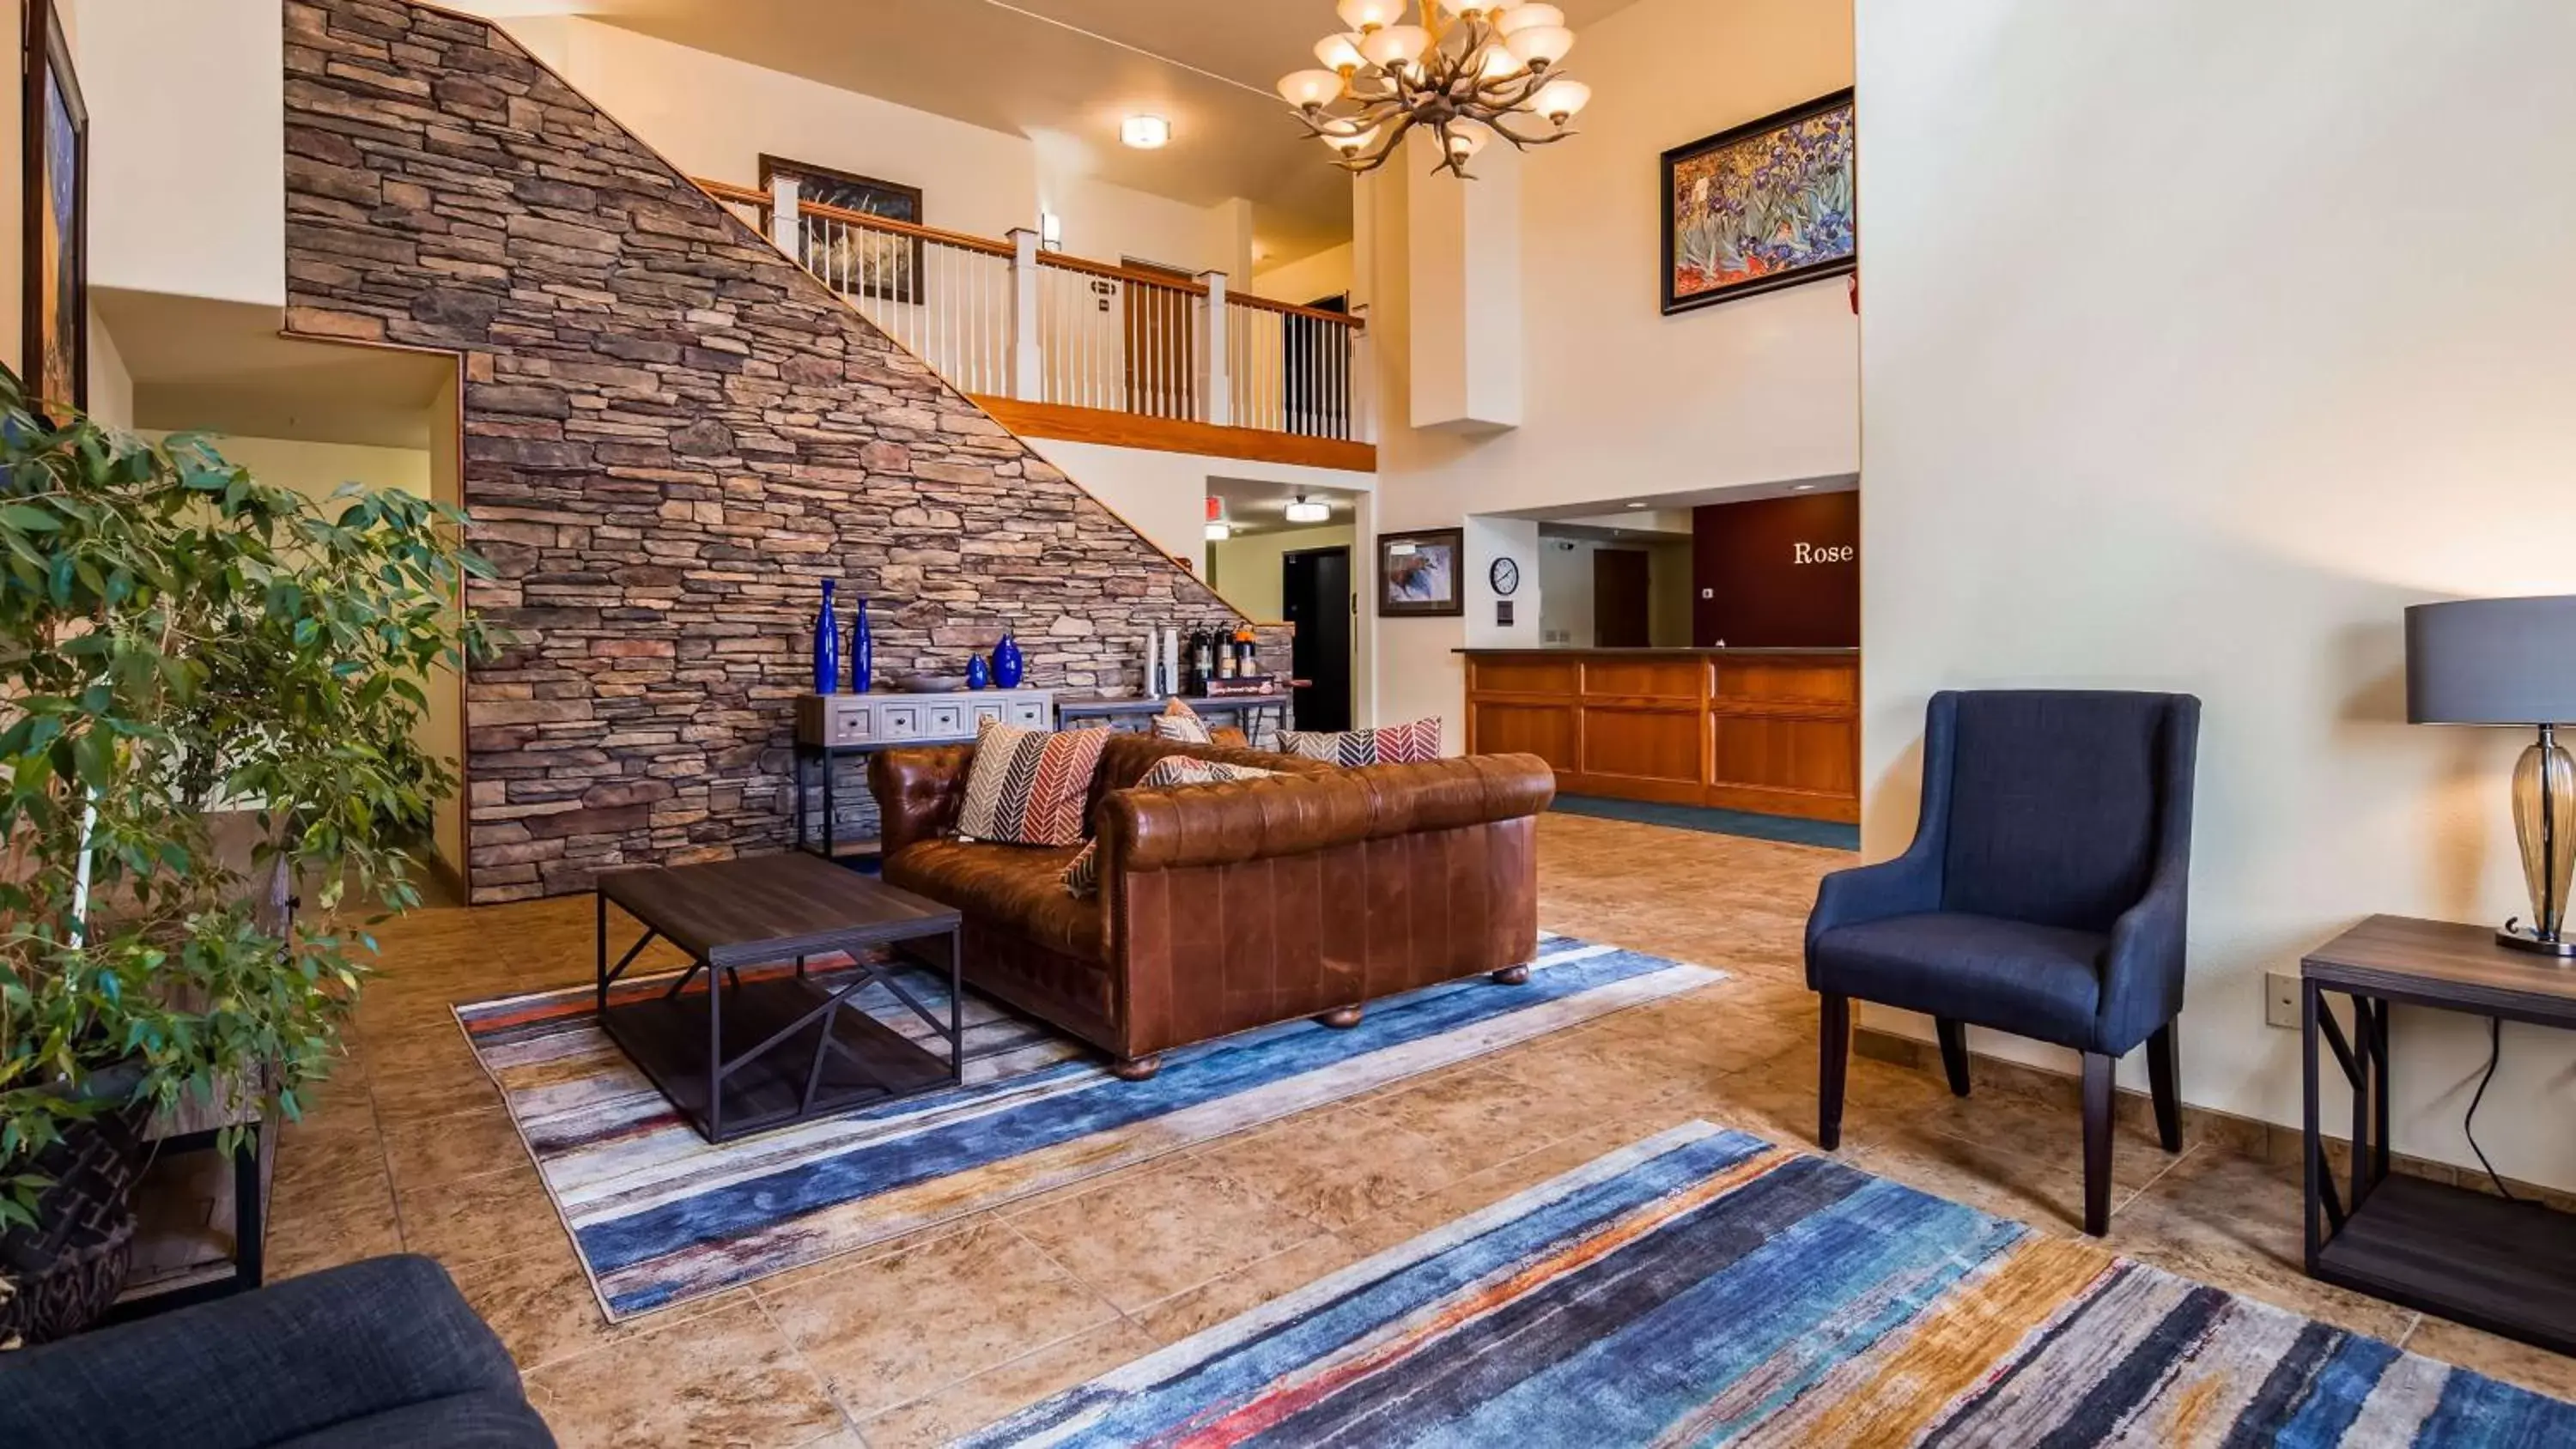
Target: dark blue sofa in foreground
383, 1354
2044, 895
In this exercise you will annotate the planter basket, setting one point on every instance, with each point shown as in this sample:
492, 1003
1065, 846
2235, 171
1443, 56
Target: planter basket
63, 1276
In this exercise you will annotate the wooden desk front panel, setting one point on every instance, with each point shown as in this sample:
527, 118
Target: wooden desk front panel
1772, 733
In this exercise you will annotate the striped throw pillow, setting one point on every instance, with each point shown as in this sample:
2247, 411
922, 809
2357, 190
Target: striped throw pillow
1082, 876
1402, 744
1180, 722
1027, 787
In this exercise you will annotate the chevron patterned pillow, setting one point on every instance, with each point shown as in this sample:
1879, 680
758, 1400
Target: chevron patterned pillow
1402, 744
1026, 787
1082, 876
1180, 722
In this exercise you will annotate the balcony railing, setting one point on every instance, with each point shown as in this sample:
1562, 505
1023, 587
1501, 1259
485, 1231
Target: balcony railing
1001, 318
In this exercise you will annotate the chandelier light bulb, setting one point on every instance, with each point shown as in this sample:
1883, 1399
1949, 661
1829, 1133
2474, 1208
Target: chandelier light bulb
1340, 53
1558, 100
1466, 138
1498, 64
1309, 87
1522, 17
1540, 46
1353, 143
1395, 46
1367, 15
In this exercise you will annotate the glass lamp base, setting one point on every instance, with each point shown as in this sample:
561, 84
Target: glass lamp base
2520, 938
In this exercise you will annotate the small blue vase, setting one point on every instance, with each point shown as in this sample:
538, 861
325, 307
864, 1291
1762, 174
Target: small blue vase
863, 651
1007, 664
978, 674
827, 646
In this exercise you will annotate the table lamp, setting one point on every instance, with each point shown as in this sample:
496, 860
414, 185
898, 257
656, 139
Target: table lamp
2510, 662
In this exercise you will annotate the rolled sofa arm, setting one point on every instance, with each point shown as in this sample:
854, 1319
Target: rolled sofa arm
918, 792
1226, 824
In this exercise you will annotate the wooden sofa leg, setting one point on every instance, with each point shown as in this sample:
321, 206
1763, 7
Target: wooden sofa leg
1513, 975
1954, 1052
1341, 1018
1833, 1061
1137, 1069
2097, 1142
2163, 1071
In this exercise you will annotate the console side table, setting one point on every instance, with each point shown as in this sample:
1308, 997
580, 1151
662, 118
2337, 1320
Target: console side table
2506, 1267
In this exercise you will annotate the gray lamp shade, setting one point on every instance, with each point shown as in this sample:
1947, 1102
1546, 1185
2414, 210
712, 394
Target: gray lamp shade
2492, 661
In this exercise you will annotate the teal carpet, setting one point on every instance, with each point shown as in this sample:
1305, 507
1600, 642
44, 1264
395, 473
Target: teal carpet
1786, 829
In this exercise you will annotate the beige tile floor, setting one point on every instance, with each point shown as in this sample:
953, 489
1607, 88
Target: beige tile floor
928, 1336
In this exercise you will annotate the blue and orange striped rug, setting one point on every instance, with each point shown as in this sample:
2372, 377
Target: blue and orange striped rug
1705, 1287
659, 1217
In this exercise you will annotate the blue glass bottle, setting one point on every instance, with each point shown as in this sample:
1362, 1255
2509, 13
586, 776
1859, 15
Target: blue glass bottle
1008, 667
827, 646
978, 674
863, 650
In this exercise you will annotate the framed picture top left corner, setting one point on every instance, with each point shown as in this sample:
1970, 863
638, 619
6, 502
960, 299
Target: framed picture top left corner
53, 363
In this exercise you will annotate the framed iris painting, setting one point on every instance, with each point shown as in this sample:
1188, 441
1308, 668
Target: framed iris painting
1766, 205
55, 363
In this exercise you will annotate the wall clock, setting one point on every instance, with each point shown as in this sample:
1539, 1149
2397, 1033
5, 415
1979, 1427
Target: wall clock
1505, 576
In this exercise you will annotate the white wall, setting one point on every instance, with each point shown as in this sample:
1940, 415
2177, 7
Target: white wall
2201, 338
187, 147
1565, 587
713, 117
1164, 495
1618, 399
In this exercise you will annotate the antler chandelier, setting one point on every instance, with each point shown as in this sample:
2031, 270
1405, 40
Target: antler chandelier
1466, 70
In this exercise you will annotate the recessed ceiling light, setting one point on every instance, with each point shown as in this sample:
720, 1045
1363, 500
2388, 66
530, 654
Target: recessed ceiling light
1636, 505
1803, 488
1145, 133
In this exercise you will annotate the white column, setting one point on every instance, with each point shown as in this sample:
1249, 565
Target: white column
1216, 387
1027, 379
785, 225
1363, 378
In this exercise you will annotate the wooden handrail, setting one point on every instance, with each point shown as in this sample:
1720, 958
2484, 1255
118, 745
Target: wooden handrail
1168, 281
747, 196
873, 222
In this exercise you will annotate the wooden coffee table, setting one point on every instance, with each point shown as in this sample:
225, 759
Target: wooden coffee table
762, 1043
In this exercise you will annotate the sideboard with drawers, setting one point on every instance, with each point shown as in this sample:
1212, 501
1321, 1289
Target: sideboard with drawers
831, 726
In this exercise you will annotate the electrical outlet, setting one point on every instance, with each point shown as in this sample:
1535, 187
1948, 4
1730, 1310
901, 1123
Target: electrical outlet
2281, 1000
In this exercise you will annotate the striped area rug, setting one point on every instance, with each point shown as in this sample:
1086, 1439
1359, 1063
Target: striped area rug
658, 1216
1706, 1287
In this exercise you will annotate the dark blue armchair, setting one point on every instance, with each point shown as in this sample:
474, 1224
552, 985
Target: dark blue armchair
2044, 895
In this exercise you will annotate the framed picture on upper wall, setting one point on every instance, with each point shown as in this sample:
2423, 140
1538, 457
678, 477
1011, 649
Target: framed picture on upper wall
55, 193
1417, 573
850, 255
1766, 205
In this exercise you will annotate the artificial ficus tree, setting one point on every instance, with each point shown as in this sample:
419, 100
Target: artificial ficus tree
179, 642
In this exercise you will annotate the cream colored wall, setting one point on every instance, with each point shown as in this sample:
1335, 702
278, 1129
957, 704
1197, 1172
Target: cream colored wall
1307, 279
1565, 589
1164, 495
1245, 568
714, 117
187, 147
2201, 339
1618, 399
442, 729
317, 469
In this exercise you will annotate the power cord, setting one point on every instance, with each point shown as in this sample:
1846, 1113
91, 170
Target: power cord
2469, 1124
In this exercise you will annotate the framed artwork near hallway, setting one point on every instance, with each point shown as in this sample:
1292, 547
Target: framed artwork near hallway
55, 196
1765, 205
880, 264
1417, 573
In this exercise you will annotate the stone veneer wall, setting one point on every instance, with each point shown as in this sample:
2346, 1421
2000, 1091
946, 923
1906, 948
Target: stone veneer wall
672, 432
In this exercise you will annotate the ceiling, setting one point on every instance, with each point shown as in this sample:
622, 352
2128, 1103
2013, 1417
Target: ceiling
1063, 73
1601, 514
221, 367
1253, 506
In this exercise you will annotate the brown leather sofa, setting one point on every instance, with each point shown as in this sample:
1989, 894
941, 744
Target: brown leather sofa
1230, 906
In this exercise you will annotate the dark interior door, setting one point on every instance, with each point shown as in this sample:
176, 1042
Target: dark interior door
1315, 594
1619, 599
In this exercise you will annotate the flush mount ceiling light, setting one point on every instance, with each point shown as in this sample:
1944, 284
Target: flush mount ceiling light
1145, 133
1303, 511
1466, 70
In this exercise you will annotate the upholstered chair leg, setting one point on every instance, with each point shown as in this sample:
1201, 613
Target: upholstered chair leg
1137, 1069
1341, 1018
1954, 1052
2097, 1142
1513, 975
2163, 1081
1833, 1060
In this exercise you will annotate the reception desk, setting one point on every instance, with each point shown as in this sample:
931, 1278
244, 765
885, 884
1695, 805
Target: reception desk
1772, 730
